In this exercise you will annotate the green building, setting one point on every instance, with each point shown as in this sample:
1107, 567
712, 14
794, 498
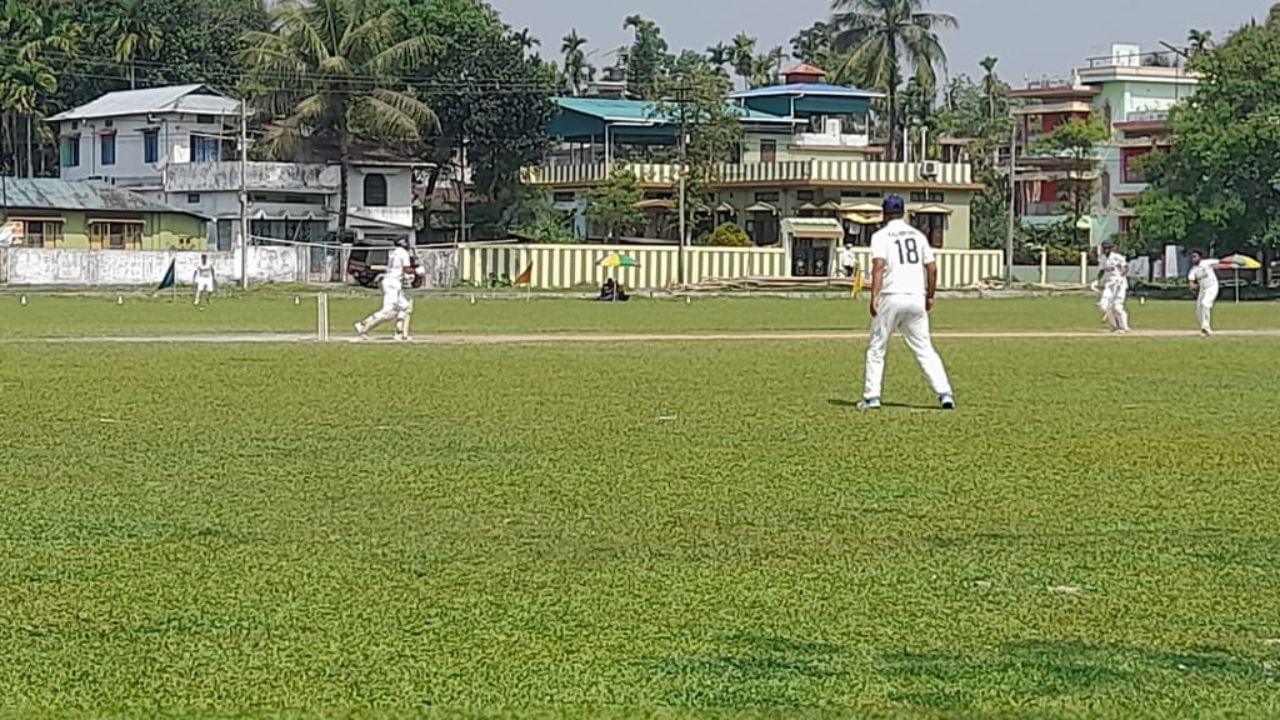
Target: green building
807, 176
90, 215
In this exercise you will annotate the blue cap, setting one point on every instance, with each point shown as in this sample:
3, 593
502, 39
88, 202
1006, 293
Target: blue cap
894, 204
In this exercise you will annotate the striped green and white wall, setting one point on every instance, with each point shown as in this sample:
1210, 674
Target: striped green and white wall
566, 266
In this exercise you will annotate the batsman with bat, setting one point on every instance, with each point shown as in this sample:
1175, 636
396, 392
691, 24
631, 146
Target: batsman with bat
402, 268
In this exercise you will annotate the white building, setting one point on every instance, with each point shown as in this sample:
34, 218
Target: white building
180, 146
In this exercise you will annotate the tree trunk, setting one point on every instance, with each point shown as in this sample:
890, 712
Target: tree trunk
344, 178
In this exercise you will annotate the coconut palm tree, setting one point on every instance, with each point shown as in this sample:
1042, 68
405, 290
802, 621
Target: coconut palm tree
577, 72
990, 83
1201, 41
135, 33
766, 68
527, 41
720, 55
742, 56
880, 37
334, 71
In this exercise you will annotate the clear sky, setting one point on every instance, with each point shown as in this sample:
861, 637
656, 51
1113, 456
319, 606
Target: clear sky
1030, 37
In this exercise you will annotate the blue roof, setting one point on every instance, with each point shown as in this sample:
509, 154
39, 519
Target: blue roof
815, 89
643, 111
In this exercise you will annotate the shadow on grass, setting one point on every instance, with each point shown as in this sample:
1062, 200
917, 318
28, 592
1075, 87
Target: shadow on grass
853, 404
1027, 671
748, 670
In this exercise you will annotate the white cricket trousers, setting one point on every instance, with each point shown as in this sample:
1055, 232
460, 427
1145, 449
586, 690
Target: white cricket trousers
1112, 305
395, 304
1204, 308
905, 314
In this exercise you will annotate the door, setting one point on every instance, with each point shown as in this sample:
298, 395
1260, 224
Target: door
810, 258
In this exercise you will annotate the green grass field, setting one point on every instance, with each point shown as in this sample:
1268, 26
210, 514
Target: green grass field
622, 530
62, 316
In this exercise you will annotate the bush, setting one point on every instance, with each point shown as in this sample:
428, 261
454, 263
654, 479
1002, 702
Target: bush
727, 235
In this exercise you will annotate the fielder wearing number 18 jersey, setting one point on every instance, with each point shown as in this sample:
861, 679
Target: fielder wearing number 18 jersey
904, 278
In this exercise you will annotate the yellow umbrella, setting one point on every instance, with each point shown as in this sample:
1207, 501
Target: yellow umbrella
1237, 263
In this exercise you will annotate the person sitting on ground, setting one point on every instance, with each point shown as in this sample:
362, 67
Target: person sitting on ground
611, 291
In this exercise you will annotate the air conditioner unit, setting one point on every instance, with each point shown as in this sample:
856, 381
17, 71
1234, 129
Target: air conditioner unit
930, 168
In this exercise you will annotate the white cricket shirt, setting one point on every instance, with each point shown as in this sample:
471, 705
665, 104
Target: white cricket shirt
1114, 265
848, 258
905, 251
398, 260
1205, 275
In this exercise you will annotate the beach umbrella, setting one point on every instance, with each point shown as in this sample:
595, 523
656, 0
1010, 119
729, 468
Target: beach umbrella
1236, 263
614, 260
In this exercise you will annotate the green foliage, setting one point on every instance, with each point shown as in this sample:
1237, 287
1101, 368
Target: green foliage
727, 235
1075, 142
877, 36
1220, 185
698, 100
485, 89
539, 221
813, 45
540, 552
575, 71
612, 205
648, 59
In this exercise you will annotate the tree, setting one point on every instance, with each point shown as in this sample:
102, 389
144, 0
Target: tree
720, 55
1075, 142
612, 205
990, 83
1201, 41
334, 69
766, 68
1220, 184
527, 41
879, 37
576, 71
697, 100
727, 235
742, 56
813, 44
489, 95
647, 59
136, 33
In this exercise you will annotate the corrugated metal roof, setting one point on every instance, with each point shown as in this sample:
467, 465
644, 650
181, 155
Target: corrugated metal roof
642, 111
175, 98
818, 89
48, 194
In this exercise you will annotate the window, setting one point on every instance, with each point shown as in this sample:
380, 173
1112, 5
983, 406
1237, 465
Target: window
936, 197
768, 151
107, 144
932, 225
108, 123
804, 196
110, 235
204, 149
918, 197
224, 234
150, 146
204, 120
193, 198
375, 190
41, 233
768, 197
75, 124
71, 151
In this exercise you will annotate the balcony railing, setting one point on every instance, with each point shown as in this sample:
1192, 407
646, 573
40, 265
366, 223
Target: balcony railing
795, 172
399, 215
1147, 116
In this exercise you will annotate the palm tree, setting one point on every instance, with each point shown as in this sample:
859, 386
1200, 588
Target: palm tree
766, 68
878, 37
1201, 41
527, 41
577, 72
742, 56
720, 55
334, 69
990, 83
135, 33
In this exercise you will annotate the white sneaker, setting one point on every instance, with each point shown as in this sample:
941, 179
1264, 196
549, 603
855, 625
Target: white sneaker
362, 331
403, 338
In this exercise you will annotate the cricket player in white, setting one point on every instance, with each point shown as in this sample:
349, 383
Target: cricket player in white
1204, 281
205, 281
395, 303
1113, 280
848, 261
904, 278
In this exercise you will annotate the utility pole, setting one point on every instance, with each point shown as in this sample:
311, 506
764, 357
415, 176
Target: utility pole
244, 195
462, 194
682, 99
1013, 205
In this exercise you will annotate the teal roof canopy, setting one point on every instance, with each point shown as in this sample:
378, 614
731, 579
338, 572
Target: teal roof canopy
584, 117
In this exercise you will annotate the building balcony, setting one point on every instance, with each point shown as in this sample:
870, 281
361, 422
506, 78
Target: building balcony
1073, 107
396, 215
800, 173
275, 177
1043, 209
